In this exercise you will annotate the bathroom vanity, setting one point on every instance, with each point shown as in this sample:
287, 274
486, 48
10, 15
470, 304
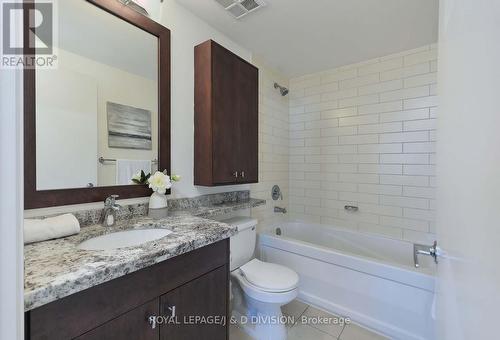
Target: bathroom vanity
76, 289
120, 293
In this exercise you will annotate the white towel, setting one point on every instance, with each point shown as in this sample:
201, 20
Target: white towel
127, 168
50, 228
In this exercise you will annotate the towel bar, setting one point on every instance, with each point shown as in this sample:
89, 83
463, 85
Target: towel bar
102, 160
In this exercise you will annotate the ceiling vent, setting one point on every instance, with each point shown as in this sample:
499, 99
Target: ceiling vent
240, 8
135, 6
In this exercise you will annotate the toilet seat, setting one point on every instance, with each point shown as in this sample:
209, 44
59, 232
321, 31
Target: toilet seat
269, 277
267, 282
260, 295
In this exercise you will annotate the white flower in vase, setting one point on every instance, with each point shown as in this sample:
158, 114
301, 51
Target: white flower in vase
160, 182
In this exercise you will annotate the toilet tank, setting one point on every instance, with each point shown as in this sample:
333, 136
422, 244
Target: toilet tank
242, 245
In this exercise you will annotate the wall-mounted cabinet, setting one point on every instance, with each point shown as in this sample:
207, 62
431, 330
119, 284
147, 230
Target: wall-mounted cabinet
226, 117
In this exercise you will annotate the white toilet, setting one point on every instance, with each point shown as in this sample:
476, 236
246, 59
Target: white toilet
259, 289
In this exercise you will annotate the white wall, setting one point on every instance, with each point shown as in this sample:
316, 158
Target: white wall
11, 202
364, 135
187, 31
273, 144
11, 207
468, 170
66, 138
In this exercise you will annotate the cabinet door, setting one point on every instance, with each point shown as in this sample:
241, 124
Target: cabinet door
225, 134
131, 325
193, 304
248, 121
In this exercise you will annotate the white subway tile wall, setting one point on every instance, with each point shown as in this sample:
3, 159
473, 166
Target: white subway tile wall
364, 135
274, 129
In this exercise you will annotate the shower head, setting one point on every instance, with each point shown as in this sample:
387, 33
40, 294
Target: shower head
284, 91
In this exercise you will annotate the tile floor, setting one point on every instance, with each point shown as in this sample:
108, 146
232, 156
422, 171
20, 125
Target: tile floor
309, 331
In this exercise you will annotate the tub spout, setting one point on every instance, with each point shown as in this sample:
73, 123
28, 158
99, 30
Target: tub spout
280, 210
420, 249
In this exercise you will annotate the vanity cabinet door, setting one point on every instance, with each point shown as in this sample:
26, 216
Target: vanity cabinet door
199, 308
131, 325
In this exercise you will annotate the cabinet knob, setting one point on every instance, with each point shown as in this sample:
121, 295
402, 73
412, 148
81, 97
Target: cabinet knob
235, 174
152, 321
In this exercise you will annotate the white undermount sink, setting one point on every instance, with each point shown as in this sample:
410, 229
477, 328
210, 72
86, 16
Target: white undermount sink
123, 239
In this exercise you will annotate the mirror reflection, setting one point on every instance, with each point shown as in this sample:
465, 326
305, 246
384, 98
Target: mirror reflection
104, 129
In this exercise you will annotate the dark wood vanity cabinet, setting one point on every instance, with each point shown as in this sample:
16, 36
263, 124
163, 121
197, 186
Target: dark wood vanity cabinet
191, 291
226, 117
131, 325
199, 298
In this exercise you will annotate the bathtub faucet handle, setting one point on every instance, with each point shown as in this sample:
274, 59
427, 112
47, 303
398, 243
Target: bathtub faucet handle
280, 210
352, 208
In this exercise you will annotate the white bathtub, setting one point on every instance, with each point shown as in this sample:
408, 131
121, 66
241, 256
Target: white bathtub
370, 279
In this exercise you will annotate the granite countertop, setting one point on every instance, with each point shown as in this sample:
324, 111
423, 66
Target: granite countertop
57, 268
217, 209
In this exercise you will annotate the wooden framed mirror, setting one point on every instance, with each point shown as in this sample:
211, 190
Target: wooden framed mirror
103, 113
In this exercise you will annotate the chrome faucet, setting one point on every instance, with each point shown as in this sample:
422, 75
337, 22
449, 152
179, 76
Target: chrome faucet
110, 210
280, 210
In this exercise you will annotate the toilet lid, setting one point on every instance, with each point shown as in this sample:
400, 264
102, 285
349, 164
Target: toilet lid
270, 277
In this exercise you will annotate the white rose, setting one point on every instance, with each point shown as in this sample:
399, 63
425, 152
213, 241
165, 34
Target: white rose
160, 182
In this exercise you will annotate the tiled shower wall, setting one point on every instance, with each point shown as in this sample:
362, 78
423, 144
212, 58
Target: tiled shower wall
273, 144
364, 135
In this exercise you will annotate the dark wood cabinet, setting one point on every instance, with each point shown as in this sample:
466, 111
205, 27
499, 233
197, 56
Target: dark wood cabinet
198, 308
131, 325
193, 287
226, 117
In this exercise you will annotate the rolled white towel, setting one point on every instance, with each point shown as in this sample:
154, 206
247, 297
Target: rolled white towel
50, 228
